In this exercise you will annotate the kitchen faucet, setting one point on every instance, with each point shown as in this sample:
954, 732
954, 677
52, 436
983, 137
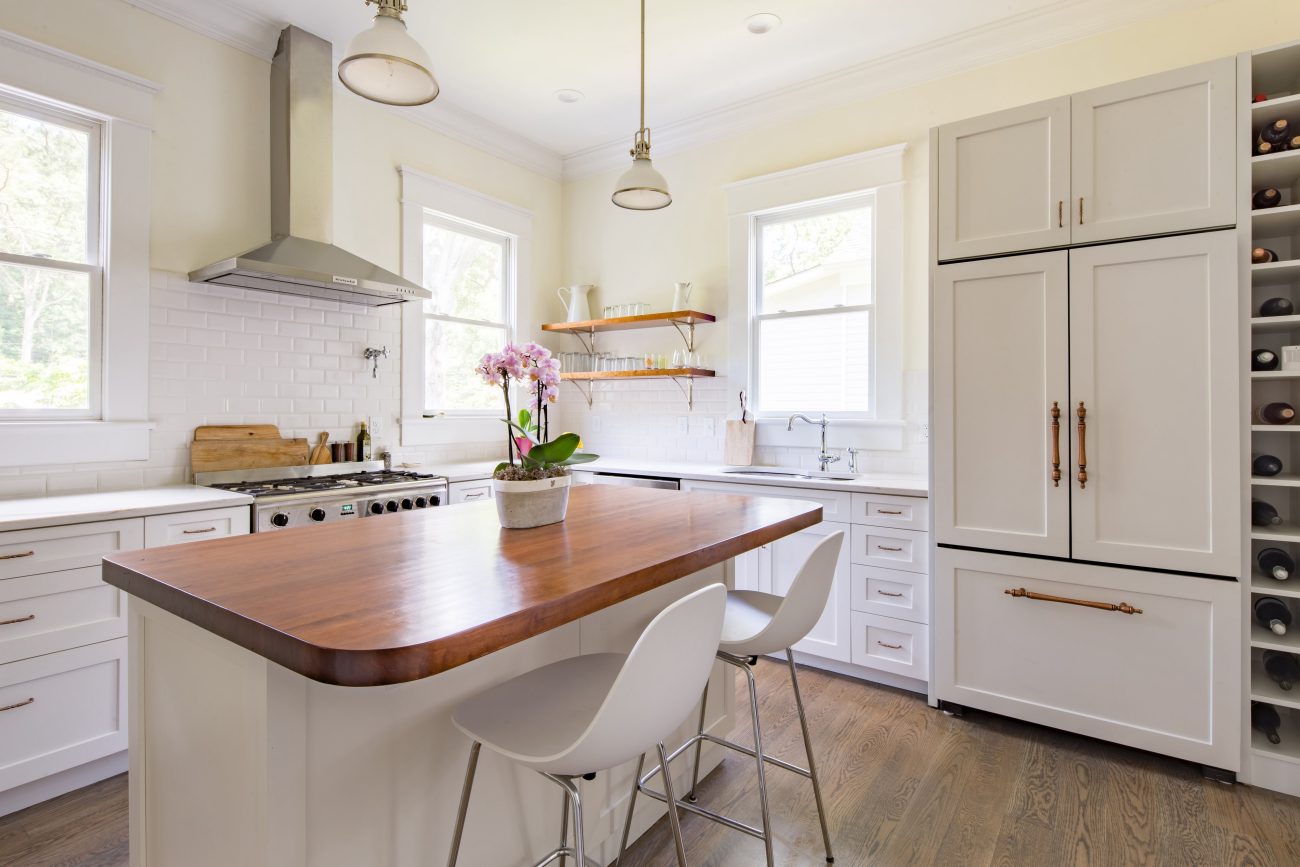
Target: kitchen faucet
824, 460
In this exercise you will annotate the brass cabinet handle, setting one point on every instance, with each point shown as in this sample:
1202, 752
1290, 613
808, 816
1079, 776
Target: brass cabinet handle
1056, 444
887, 548
890, 646
20, 704
16, 556
194, 532
1082, 413
1123, 607
1080, 210
474, 496
887, 593
18, 620
1060, 214
888, 512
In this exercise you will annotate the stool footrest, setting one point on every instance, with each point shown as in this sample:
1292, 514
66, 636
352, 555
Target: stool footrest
565, 852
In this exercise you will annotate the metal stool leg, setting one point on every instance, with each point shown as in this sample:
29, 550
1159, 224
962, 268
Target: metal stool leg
564, 825
812, 764
464, 803
579, 849
762, 775
695, 774
631, 806
673, 821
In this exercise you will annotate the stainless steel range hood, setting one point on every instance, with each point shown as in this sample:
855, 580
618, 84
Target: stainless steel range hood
301, 260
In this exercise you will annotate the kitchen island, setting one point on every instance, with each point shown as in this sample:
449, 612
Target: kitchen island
290, 691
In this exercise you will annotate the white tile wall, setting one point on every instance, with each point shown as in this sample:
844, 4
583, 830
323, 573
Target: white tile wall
229, 356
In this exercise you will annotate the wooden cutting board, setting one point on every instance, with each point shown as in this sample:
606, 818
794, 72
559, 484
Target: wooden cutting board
244, 447
738, 449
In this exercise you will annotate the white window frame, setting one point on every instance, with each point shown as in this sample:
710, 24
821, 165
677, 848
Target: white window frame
427, 198
878, 173
121, 105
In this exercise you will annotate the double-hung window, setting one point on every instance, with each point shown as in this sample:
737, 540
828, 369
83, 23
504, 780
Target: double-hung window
51, 277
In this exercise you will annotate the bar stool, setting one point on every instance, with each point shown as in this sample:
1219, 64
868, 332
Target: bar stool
572, 718
757, 624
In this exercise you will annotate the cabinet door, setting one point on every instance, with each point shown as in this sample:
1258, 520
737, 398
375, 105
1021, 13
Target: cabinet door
1000, 344
1153, 359
831, 637
1004, 181
1154, 155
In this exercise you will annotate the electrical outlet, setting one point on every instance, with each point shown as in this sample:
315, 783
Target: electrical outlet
704, 426
683, 425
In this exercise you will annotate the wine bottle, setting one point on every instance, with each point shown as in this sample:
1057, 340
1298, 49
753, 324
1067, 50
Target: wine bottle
1263, 514
1260, 97
1266, 465
1277, 307
1293, 143
1275, 563
1263, 148
1269, 197
1260, 255
1273, 613
364, 451
1263, 359
1276, 132
1266, 718
1274, 413
1282, 667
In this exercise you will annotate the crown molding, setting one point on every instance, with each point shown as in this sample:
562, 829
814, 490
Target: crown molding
1059, 23
249, 31
72, 61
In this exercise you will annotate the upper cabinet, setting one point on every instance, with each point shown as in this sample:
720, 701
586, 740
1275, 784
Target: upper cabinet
1145, 157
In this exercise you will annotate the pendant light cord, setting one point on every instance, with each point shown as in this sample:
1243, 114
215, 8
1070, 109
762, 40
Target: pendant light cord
643, 65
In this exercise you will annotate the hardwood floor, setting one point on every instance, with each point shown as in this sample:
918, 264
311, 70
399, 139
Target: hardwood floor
904, 784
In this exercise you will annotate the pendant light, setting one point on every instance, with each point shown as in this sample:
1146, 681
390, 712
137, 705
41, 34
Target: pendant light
642, 188
385, 63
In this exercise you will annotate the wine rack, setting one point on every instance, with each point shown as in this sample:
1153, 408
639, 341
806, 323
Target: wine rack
1275, 75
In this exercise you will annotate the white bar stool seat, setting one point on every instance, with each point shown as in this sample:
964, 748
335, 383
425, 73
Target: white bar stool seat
590, 713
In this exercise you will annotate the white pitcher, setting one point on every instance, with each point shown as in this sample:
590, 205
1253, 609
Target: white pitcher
576, 308
681, 296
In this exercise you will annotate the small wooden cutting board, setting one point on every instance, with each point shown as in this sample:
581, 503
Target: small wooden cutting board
738, 450
243, 447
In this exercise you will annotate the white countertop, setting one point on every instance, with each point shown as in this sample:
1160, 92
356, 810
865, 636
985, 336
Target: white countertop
864, 483
31, 512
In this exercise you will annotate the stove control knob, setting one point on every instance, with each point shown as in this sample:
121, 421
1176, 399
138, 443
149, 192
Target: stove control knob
421, 502
279, 519
376, 508
316, 514
392, 506
408, 503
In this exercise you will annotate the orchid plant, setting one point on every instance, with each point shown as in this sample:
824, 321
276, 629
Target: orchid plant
528, 433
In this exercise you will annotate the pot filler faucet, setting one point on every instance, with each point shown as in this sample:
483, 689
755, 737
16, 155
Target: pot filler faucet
824, 460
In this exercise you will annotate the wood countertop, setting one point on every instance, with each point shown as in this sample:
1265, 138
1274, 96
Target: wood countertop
377, 601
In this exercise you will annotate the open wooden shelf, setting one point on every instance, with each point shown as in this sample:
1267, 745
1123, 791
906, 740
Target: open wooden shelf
1281, 480
649, 373
1284, 532
1266, 273
1275, 374
1264, 688
1265, 111
1265, 324
1275, 428
1275, 170
1266, 639
1289, 731
1268, 222
630, 323
1266, 586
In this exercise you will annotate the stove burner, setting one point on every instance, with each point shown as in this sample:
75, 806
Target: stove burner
344, 481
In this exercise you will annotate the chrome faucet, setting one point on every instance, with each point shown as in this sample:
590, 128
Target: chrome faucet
824, 460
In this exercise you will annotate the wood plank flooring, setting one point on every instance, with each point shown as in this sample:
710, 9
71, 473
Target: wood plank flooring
905, 785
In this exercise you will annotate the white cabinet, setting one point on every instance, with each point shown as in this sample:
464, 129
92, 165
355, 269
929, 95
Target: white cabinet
830, 637
1163, 679
195, 526
475, 491
1000, 343
1154, 155
1004, 181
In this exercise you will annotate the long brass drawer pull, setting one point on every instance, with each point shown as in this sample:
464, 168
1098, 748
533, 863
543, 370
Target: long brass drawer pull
18, 620
16, 556
1056, 444
888, 512
196, 532
1080, 210
890, 646
1082, 413
20, 704
1123, 607
887, 593
1060, 213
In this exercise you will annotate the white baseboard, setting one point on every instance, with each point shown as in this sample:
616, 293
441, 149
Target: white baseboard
38, 791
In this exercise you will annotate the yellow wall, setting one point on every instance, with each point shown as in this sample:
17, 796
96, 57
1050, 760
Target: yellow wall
637, 256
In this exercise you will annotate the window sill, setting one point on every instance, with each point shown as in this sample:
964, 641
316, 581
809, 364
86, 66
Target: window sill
451, 430
42, 443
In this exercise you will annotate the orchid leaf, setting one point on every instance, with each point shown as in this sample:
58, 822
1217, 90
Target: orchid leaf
575, 458
557, 450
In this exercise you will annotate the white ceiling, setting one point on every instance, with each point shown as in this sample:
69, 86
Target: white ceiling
501, 61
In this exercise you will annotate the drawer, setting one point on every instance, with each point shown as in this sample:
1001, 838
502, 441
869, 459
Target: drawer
182, 527
60, 610
891, 593
61, 710
908, 550
885, 510
890, 644
51, 549
1165, 680
835, 505
469, 492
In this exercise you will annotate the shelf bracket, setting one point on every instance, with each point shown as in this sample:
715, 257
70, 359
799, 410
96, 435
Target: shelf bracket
688, 390
588, 393
587, 339
687, 333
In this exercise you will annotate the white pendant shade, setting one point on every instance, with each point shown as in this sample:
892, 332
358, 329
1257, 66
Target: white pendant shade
642, 188
386, 64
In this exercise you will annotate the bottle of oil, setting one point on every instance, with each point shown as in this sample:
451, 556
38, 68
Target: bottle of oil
365, 452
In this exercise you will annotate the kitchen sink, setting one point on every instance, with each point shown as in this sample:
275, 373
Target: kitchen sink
768, 471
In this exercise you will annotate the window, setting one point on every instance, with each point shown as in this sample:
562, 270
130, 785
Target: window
467, 268
813, 309
51, 282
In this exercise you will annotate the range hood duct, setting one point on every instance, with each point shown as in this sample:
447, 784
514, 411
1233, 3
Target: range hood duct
302, 260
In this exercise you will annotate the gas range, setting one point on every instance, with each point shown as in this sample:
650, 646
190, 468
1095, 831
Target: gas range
286, 497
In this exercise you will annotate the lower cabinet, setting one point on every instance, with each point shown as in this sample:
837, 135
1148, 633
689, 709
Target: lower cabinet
1159, 678
469, 492
892, 645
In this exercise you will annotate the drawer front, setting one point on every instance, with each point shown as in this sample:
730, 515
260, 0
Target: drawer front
908, 550
52, 549
883, 510
1166, 679
45, 613
890, 644
836, 506
183, 527
469, 492
61, 710
891, 593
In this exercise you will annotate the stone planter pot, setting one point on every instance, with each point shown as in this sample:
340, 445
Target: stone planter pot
531, 504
